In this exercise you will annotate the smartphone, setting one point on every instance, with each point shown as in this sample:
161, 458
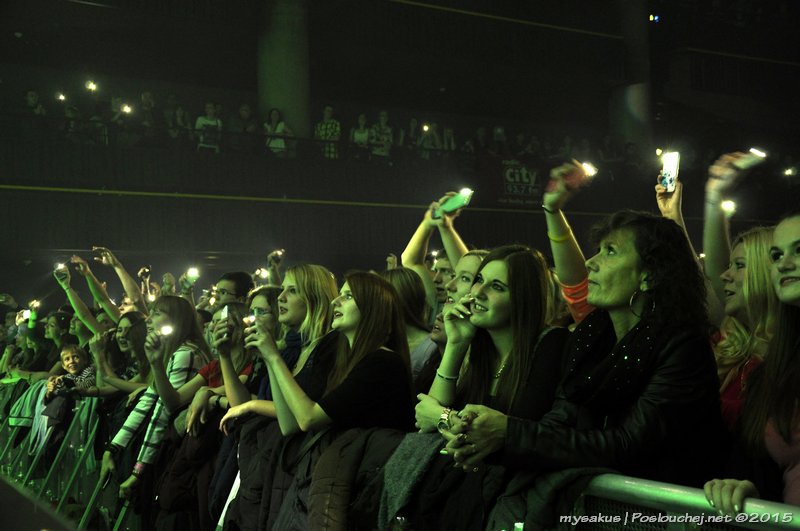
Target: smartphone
670, 163
753, 158
453, 203
223, 316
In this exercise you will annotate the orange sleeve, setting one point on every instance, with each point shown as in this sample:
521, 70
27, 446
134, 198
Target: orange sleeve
575, 297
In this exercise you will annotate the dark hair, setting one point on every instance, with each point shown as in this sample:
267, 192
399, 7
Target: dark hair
242, 280
774, 387
676, 291
411, 291
381, 325
185, 323
62, 320
528, 287
138, 331
271, 294
136, 336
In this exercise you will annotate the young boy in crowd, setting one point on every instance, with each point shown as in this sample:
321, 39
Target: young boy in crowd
80, 374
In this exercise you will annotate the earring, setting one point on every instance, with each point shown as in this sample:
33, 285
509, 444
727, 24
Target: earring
632, 302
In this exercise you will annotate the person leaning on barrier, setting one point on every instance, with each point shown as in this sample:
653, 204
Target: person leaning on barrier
640, 389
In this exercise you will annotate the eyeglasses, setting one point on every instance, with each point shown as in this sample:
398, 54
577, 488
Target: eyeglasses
258, 312
223, 292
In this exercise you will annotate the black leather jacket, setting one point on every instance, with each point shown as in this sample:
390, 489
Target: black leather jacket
670, 431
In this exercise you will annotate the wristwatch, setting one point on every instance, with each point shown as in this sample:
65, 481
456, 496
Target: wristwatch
444, 420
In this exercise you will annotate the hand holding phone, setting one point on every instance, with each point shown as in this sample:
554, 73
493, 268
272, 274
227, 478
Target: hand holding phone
453, 203
670, 163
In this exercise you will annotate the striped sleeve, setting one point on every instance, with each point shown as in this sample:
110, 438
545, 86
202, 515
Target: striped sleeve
136, 418
182, 367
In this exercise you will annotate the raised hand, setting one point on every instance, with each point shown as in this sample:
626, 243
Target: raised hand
565, 181
457, 325
669, 203
154, 348
81, 266
221, 337
275, 257
446, 219
391, 261
106, 257
257, 336
723, 175
63, 278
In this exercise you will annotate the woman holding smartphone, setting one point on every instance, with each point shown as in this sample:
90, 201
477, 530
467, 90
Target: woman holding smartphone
370, 362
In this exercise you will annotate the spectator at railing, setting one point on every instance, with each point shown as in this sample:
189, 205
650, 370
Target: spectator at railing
665, 422
183, 490
449, 139
329, 131
33, 107
769, 424
381, 138
179, 126
242, 127
305, 309
74, 128
415, 311
739, 277
277, 131
499, 352
429, 143
370, 361
359, 138
208, 129
175, 356
409, 136
150, 119
499, 146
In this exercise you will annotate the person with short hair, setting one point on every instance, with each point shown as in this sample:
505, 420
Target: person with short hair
329, 132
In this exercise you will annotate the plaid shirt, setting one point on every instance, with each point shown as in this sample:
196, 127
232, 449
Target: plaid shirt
382, 136
329, 130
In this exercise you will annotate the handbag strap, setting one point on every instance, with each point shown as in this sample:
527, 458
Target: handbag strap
307, 447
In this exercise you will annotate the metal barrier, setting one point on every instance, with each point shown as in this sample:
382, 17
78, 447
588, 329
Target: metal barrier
613, 502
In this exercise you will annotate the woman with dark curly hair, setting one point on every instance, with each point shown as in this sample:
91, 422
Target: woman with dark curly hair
639, 392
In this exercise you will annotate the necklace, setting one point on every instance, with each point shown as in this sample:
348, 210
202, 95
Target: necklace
499, 372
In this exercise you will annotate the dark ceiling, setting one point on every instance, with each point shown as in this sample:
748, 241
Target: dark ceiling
470, 56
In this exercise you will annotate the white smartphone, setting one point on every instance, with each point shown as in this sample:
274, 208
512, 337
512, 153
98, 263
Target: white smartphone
670, 164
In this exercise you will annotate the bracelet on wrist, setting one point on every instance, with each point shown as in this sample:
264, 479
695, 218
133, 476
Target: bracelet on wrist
445, 377
444, 420
559, 239
113, 449
138, 469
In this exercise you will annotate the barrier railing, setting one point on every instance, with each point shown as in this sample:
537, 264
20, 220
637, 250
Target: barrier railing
613, 502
